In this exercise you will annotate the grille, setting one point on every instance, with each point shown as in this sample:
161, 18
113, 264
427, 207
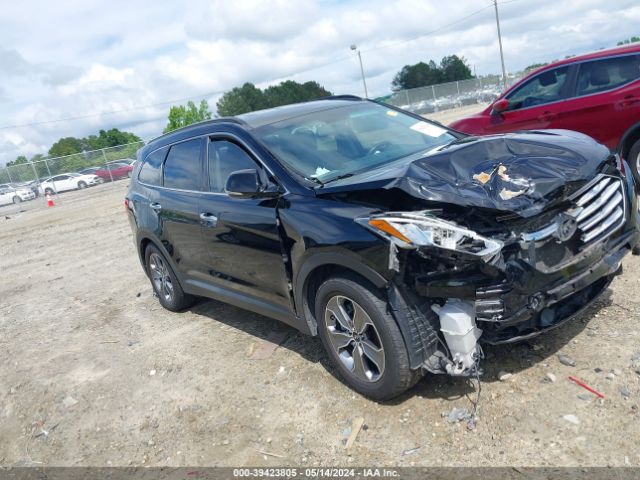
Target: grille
600, 208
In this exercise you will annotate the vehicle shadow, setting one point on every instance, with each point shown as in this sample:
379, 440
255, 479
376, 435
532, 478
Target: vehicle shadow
509, 358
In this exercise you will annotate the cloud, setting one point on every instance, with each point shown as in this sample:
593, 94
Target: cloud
13, 63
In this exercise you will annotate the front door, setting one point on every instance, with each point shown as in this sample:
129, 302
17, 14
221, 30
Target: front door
536, 104
241, 235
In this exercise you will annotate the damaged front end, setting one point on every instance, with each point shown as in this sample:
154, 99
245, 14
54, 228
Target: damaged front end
481, 276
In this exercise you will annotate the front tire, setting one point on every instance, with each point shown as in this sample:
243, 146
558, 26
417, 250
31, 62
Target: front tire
17, 200
634, 162
48, 191
164, 281
362, 338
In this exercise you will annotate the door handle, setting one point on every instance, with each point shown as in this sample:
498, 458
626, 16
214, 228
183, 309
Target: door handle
546, 116
628, 101
208, 219
155, 206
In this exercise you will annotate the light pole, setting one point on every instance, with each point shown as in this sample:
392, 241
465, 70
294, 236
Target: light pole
504, 71
364, 82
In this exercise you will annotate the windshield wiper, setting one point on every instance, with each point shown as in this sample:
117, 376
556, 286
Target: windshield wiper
315, 180
339, 177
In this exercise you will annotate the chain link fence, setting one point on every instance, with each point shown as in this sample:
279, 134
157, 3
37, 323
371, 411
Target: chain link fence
109, 164
445, 96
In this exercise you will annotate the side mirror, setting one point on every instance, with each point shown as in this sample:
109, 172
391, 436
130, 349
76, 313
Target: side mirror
500, 105
246, 184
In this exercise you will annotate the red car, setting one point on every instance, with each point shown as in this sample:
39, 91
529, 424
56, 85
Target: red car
597, 94
114, 171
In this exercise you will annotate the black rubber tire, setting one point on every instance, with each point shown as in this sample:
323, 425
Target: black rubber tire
397, 376
180, 300
82, 185
633, 159
17, 200
49, 191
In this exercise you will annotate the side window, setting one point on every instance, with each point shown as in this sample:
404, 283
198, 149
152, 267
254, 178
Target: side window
150, 171
225, 158
601, 75
182, 166
543, 88
61, 177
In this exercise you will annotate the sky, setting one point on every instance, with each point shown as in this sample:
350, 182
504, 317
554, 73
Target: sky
74, 67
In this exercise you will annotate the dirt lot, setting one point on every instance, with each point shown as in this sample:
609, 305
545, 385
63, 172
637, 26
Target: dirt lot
94, 372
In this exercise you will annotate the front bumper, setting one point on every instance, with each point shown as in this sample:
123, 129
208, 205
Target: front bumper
27, 196
539, 285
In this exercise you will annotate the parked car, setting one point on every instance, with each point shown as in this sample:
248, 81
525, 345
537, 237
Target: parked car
32, 185
597, 94
67, 181
114, 171
399, 242
89, 171
10, 194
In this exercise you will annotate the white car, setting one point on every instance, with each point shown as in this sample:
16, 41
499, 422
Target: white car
15, 195
68, 181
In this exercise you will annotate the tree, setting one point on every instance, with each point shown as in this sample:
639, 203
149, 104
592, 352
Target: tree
454, 68
66, 146
289, 92
241, 100
249, 98
181, 116
422, 74
419, 75
629, 40
109, 138
534, 66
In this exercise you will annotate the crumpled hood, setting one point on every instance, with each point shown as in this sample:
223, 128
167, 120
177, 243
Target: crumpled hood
517, 172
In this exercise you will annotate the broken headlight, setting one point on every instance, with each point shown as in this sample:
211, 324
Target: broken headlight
412, 230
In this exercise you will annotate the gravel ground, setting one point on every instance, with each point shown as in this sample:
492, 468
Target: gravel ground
94, 372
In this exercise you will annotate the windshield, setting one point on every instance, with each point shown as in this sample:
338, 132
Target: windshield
332, 143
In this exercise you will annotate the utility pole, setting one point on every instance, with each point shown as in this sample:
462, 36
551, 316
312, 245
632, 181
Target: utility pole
504, 71
364, 82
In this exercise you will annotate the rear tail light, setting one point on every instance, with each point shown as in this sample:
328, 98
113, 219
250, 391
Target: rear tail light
126, 204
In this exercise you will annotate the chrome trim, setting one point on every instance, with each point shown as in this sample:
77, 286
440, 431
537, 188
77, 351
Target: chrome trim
219, 135
608, 204
541, 234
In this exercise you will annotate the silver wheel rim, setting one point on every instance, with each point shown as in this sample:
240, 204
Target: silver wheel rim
160, 277
638, 164
354, 338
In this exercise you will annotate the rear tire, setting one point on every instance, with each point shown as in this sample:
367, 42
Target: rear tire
634, 162
362, 338
164, 281
82, 185
17, 200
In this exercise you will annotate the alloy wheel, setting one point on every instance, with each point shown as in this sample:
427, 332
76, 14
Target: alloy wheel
354, 338
161, 277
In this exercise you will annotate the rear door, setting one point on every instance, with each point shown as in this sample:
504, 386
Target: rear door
241, 235
606, 100
536, 104
176, 206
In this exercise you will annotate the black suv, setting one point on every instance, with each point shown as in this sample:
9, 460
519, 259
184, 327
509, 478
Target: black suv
404, 245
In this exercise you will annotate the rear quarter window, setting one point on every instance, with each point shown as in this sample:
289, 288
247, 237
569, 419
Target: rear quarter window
606, 74
150, 170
